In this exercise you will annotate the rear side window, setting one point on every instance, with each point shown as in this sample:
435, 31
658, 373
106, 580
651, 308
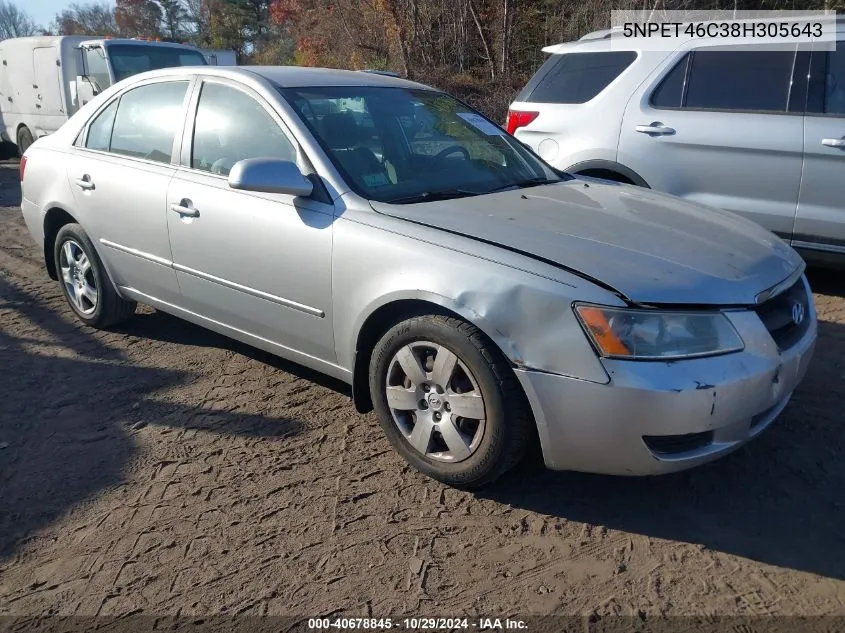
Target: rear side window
575, 77
729, 79
99, 132
670, 92
147, 121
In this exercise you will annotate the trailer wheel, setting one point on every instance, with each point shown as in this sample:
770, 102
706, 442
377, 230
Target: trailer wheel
24, 140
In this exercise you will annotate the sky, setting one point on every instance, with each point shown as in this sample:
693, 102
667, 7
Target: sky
44, 11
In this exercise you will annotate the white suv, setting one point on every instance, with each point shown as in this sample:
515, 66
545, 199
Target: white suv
757, 132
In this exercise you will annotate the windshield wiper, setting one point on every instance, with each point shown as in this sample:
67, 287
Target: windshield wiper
522, 184
431, 196
450, 194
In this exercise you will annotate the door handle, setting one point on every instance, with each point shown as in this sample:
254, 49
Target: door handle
834, 142
85, 183
655, 129
185, 208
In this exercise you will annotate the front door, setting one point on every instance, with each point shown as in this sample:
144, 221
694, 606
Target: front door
257, 263
820, 223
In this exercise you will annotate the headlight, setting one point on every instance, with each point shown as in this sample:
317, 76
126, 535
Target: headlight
652, 334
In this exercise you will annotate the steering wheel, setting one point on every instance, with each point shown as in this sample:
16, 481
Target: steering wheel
452, 149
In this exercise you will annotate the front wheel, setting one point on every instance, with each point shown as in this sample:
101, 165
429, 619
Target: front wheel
448, 401
85, 284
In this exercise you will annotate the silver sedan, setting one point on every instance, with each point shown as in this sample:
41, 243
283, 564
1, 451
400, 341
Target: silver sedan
386, 234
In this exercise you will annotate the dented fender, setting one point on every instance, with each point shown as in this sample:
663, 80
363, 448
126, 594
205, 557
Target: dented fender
525, 307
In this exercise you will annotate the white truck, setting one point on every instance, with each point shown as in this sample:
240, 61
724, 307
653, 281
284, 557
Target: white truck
44, 80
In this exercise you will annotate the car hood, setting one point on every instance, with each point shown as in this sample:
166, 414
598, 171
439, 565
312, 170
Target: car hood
649, 247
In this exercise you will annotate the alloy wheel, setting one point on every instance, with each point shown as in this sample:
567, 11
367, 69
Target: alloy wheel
78, 277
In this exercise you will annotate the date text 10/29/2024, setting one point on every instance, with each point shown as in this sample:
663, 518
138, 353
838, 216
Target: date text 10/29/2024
492, 625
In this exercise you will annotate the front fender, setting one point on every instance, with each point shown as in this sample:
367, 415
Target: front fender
528, 316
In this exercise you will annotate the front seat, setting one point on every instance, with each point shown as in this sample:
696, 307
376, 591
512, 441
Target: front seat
344, 139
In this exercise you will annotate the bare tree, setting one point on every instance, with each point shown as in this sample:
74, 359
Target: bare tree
86, 19
488, 55
174, 16
14, 22
197, 17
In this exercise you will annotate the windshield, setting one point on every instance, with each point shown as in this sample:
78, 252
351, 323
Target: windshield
131, 59
405, 145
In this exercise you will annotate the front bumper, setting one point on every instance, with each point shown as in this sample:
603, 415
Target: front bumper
661, 417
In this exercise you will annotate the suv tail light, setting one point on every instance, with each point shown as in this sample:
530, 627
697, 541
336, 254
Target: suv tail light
22, 167
518, 119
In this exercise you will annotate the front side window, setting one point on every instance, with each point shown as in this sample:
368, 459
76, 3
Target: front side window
575, 77
147, 121
405, 145
131, 59
232, 126
834, 81
96, 68
737, 79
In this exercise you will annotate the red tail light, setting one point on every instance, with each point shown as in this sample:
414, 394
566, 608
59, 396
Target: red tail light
22, 167
518, 119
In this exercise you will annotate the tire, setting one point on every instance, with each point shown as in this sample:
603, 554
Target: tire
479, 369
24, 140
103, 307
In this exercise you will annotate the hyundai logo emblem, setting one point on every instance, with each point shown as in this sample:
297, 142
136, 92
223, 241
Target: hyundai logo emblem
798, 313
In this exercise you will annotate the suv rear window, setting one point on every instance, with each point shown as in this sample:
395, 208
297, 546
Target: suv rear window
575, 77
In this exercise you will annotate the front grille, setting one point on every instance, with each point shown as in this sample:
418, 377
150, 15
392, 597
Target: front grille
777, 314
674, 444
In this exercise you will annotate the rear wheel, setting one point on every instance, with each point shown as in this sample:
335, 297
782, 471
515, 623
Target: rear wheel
84, 281
24, 140
448, 401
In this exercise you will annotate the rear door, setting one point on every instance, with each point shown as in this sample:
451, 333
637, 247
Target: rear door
723, 126
120, 174
820, 223
47, 86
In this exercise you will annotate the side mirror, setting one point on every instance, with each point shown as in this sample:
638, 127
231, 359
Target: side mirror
85, 90
269, 175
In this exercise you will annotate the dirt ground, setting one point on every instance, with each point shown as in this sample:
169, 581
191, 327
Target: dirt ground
162, 469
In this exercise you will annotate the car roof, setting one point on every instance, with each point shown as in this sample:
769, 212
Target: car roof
292, 76
300, 76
